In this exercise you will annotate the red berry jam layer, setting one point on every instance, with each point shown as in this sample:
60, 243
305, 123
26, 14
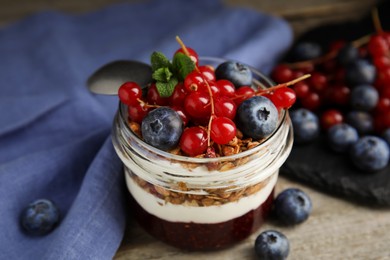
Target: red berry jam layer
195, 236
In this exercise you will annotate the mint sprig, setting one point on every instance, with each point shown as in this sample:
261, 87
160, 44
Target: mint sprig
167, 74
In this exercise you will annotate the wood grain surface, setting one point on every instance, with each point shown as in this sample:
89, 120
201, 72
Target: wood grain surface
337, 229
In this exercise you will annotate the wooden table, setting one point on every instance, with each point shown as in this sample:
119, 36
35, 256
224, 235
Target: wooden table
337, 229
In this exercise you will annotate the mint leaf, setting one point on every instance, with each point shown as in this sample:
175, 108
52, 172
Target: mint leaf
159, 60
162, 75
165, 89
182, 65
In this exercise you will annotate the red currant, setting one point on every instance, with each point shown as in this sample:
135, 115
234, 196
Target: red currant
301, 89
222, 130
138, 112
192, 54
243, 93
182, 114
383, 105
282, 73
317, 82
207, 72
225, 107
197, 105
130, 93
330, 118
178, 95
154, 98
226, 88
378, 46
193, 141
312, 101
283, 98
194, 81
338, 94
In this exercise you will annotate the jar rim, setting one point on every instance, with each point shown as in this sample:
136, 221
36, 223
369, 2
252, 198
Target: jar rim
122, 115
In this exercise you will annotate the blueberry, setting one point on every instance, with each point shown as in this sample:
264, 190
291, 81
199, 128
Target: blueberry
386, 136
237, 73
272, 245
305, 50
257, 117
360, 72
306, 125
162, 128
292, 206
347, 54
370, 153
361, 121
341, 137
364, 97
40, 217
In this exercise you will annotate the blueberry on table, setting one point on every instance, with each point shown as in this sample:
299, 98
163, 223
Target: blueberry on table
362, 121
257, 117
272, 245
306, 125
162, 128
237, 73
341, 137
292, 206
40, 217
364, 97
347, 54
360, 72
306, 51
386, 136
370, 153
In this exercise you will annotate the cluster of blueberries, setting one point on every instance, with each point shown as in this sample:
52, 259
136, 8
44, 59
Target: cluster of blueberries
368, 152
354, 136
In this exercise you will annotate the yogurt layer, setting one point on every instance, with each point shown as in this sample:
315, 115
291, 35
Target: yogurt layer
205, 215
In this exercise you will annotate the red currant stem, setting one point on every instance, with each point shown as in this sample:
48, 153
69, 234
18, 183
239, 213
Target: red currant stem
376, 20
183, 46
145, 104
282, 85
302, 64
361, 41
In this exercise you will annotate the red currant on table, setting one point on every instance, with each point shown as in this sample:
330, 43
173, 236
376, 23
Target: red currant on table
222, 130
330, 118
130, 93
311, 101
193, 141
301, 89
282, 73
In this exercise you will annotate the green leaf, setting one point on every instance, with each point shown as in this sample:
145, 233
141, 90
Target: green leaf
162, 75
159, 60
165, 89
182, 64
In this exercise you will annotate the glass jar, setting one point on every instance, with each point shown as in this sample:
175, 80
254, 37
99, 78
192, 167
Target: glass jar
202, 203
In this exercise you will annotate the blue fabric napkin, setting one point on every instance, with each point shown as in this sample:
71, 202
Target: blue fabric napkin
55, 135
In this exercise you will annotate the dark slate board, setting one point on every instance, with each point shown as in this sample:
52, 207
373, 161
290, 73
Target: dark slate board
317, 165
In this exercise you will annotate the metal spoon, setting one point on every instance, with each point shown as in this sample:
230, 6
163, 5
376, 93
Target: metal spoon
111, 76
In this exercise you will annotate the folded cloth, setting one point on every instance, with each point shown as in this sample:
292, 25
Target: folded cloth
55, 135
